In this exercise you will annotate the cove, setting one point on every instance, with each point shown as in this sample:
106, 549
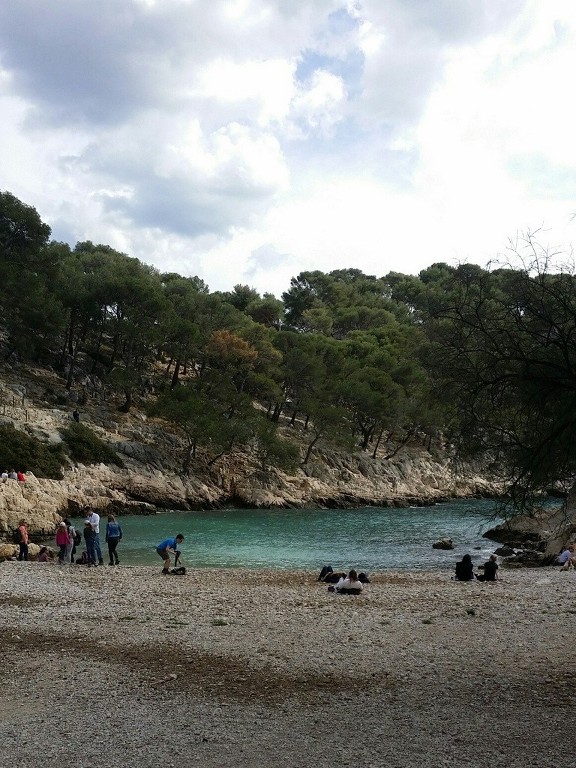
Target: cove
371, 539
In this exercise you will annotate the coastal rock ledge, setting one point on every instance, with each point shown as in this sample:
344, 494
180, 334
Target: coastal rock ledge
332, 481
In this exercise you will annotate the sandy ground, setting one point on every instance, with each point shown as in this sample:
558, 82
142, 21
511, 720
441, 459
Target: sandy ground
122, 666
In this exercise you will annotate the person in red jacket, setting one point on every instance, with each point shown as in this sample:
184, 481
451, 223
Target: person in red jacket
62, 541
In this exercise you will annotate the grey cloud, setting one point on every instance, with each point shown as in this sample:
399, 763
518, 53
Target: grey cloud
264, 258
186, 204
99, 62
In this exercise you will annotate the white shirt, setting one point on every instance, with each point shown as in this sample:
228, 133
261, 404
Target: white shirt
94, 521
347, 584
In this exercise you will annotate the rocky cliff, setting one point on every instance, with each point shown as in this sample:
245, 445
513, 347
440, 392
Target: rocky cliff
151, 477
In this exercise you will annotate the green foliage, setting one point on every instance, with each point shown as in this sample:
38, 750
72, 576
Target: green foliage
23, 452
273, 450
85, 447
486, 356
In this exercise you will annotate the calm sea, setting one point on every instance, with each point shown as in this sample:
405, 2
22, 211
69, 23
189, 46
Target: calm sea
368, 539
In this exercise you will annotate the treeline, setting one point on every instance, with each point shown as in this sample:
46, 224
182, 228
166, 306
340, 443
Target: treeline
366, 362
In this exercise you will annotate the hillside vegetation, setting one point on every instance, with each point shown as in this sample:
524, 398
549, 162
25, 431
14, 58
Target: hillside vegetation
480, 361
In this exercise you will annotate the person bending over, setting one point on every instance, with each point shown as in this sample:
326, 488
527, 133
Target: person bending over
165, 547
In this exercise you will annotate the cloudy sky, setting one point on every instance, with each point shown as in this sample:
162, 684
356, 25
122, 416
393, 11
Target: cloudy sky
245, 141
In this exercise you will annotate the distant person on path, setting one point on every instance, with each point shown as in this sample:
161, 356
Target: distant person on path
62, 541
165, 547
566, 557
76, 415
465, 569
113, 537
490, 570
24, 540
94, 519
89, 538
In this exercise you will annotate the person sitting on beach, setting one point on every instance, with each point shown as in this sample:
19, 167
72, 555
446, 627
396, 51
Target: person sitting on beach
12, 475
4, 476
20, 476
350, 585
490, 568
566, 558
165, 547
328, 576
42, 555
465, 569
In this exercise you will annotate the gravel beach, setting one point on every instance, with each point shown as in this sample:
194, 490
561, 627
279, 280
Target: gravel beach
122, 666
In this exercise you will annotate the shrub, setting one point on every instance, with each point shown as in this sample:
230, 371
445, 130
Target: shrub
87, 448
21, 451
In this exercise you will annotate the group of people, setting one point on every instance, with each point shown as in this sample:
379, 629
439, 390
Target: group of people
351, 583
13, 475
465, 569
68, 539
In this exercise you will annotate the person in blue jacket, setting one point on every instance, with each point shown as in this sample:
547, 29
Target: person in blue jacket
113, 536
165, 547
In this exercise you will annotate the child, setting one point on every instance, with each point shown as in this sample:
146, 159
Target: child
43, 555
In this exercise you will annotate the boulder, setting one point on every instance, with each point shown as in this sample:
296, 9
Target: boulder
443, 544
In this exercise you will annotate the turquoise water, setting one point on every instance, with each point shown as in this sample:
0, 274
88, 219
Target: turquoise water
368, 539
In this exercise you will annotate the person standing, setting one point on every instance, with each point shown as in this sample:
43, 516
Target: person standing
94, 519
24, 540
165, 547
62, 541
113, 537
90, 538
70, 546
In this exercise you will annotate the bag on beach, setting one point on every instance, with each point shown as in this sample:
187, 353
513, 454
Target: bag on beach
180, 571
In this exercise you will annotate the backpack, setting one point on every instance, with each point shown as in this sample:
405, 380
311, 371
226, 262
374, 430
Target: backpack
180, 571
77, 538
17, 536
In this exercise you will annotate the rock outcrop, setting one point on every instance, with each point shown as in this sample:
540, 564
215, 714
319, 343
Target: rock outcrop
151, 477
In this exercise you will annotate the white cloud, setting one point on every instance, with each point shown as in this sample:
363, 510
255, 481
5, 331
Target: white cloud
249, 140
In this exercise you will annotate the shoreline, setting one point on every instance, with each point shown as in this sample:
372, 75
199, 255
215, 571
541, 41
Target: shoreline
236, 667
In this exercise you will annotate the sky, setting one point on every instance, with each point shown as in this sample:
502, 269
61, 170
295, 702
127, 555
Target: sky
246, 141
